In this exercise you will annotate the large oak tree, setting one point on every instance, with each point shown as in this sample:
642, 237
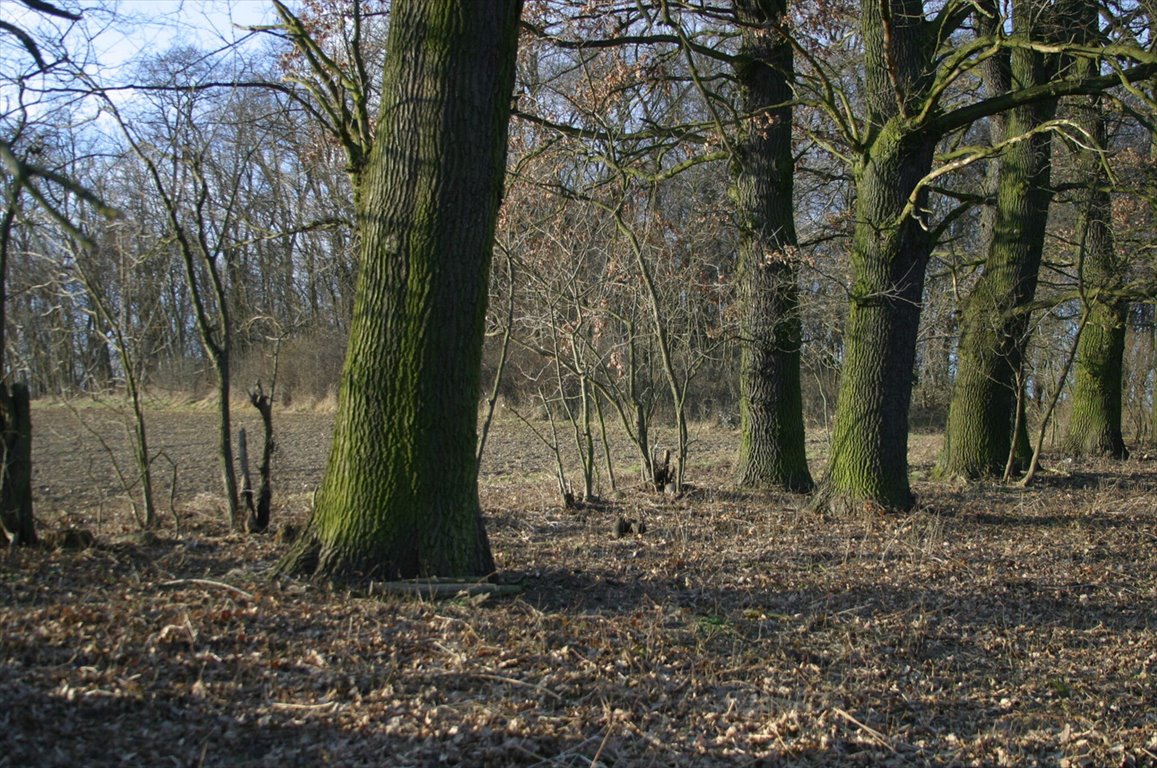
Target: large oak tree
400, 496
982, 416
908, 72
771, 451
1095, 422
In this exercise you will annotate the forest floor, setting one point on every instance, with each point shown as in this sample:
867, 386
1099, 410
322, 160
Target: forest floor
993, 625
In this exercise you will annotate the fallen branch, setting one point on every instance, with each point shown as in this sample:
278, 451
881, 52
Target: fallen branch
878, 737
207, 583
441, 590
515, 681
309, 707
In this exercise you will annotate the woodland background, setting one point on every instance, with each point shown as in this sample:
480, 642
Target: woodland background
234, 198
993, 623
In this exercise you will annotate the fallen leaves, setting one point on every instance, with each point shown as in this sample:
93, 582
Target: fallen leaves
1007, 627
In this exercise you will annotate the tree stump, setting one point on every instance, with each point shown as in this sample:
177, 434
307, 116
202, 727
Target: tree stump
662, 475
258, 518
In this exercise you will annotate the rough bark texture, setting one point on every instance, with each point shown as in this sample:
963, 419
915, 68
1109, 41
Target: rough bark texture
1094, 427
890, 250
771, 449
16, 467
1095, 422
982, 411
400, 497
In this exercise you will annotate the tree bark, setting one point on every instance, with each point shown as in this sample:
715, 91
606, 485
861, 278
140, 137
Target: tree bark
981, 413
1094, 427
400, 494
259, 511
221, 364
1095, 422
18, 525
890, 252
771, 449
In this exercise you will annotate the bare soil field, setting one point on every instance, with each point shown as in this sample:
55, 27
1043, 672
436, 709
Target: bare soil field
993, 625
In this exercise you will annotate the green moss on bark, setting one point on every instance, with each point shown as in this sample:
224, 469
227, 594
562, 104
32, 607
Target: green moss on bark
400, 496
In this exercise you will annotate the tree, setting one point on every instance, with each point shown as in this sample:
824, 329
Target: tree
986, 395
22, 175
17, 524
771, 449
611, 125
1094, 426
199, 201
400, 492
670, 92
889, 256
907, 84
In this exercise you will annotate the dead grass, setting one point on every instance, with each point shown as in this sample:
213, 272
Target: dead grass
992, 626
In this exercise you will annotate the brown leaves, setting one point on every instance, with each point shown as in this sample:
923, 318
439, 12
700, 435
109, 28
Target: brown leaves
1007, 627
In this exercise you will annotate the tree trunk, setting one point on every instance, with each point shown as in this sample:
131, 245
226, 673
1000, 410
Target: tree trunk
16, 522
890, 251
1095, 423
258, 512
869, 460
1153, 393
16, 518
221, 363
141, 455
771, 449
1094, 427
11, 200
400, 494
981, 413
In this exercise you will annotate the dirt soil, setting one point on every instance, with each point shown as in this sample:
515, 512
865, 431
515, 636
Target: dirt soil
991, 626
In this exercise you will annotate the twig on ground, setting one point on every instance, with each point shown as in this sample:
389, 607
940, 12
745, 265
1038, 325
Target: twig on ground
207, 583
293, 705
516, 681
878, 737
438, 590
603, 743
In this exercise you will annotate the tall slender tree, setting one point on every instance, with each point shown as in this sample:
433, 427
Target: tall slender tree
400, 493
22, 176
1094, 426
771, 451
16, 521
985, 397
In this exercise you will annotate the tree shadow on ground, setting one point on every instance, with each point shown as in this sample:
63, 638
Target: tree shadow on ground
53, 729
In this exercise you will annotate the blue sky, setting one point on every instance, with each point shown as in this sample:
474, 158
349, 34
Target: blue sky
114, 33
145, 27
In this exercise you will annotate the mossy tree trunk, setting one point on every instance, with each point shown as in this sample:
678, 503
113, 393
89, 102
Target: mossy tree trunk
771, 449
1151, 189
400, 497
1095, 423
982, 410
869, 461
890, 251
1094, 427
